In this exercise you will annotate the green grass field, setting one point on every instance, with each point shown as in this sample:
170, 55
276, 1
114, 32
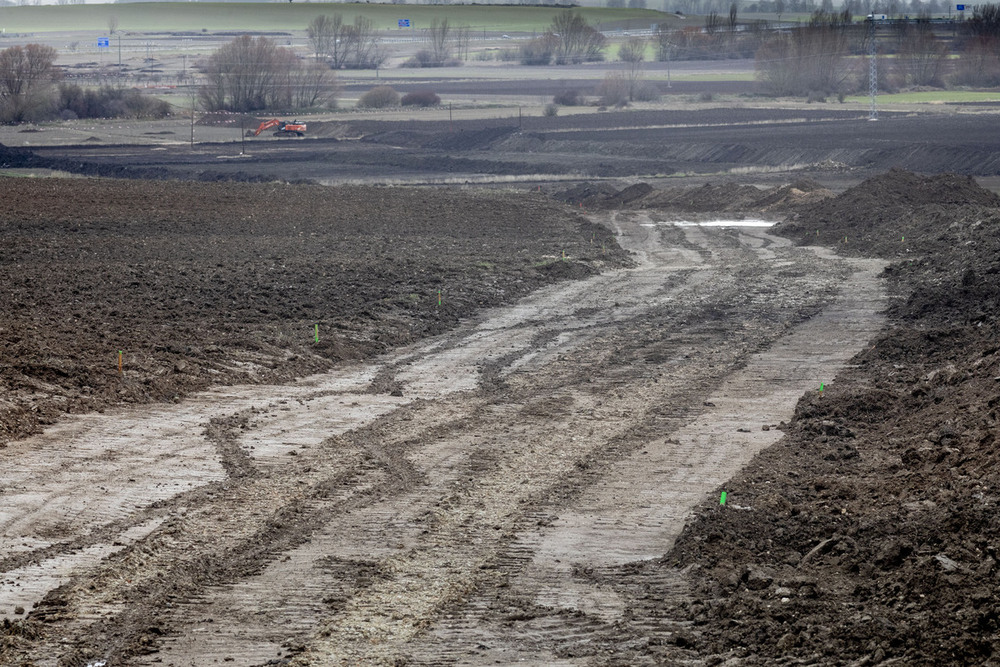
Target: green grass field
933, 96
233, 16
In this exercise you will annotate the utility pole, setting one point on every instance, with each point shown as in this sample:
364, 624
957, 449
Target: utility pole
669, 45
872, 70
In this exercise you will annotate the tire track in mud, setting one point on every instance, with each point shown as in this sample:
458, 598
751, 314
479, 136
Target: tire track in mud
354, 527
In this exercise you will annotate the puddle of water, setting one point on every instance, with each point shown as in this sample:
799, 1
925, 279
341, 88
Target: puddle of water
747, 222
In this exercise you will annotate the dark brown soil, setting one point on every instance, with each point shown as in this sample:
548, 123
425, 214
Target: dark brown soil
199, 284
868, 535
819, 144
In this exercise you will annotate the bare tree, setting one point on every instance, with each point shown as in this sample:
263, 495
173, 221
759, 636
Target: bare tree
314, 85
813, 58
633, 53
361, 44
713, 23
351, 45
112, 24
664, 42
613, 90
921, 56
323, 33
438, 36
26, 77
253, 74
578, 41
463, 37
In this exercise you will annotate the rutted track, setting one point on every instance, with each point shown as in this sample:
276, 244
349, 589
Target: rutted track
462, 518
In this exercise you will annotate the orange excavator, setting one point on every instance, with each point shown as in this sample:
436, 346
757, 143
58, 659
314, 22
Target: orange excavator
285, 129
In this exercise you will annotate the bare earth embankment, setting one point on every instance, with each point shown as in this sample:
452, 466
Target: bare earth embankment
868, 535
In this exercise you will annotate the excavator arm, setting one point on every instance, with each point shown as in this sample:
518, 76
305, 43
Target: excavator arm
265, 125
295, 129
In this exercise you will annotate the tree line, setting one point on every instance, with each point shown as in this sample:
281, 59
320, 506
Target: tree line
825, 57
31, 89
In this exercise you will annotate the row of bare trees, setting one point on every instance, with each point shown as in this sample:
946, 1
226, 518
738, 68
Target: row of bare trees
823, 57
253, 73
27, 75
569, 39
344, 45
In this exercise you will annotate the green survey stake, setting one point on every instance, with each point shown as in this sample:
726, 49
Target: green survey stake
722, 498
317, 334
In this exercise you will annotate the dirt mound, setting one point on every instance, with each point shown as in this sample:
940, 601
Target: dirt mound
202, 283
590, 195
868, 534
897, 213
18, 158
799, 193
710, 198
467, 140
461, 140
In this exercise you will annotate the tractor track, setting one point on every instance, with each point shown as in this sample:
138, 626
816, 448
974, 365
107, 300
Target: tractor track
477, 497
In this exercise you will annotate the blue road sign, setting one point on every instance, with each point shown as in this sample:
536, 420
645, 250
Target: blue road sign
103, 41
960, 8
404, 23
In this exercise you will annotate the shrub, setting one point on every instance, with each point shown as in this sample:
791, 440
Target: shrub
379, 97
613, 91
644, 91
551, 110
706, 97
539, 51
420, 98
422, 58
568, 98
108, 102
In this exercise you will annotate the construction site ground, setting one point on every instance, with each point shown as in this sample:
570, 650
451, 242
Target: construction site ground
266, 423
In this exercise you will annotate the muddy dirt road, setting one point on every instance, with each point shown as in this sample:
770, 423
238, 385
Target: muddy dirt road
468, 499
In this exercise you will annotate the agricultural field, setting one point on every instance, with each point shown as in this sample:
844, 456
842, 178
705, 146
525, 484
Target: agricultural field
160, 17
707, 380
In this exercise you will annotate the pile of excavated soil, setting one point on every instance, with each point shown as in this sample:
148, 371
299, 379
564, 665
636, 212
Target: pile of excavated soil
201, 284
895, 214
710, 198
870, 534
